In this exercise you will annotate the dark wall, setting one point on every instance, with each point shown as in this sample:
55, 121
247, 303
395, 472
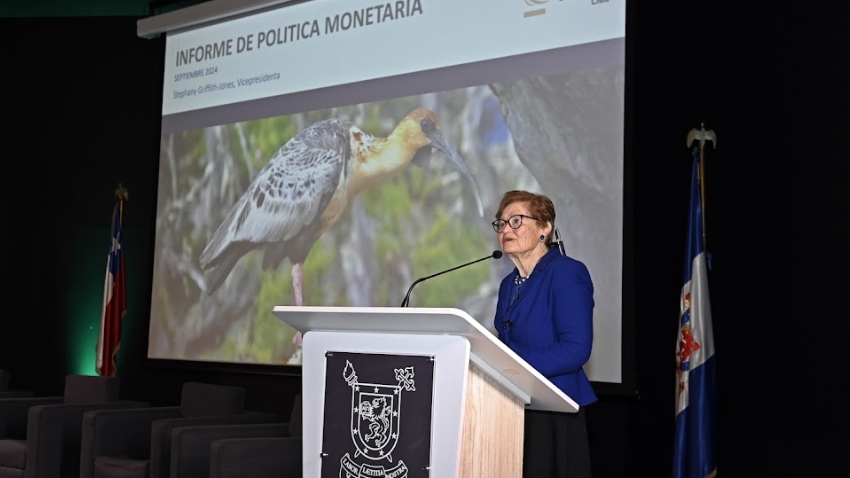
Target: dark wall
771, 83
79, 100
767, 83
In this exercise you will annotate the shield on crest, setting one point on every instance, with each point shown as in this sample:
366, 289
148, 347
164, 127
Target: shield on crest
375, 419
376, 412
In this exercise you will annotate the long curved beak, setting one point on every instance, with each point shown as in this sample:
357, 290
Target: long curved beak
444, 147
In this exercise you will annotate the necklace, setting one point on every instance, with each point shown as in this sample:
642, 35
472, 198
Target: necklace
518, 280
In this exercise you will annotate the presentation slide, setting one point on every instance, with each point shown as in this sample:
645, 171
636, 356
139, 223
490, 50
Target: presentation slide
331, 152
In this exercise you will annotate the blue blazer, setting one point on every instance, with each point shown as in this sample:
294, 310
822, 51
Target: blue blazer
549, 322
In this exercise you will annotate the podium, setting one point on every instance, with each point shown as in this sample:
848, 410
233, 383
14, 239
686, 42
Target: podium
464, 394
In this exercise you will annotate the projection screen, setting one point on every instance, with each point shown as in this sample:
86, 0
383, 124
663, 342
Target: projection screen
332, 152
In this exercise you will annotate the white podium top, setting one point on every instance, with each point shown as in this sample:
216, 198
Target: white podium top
488, 352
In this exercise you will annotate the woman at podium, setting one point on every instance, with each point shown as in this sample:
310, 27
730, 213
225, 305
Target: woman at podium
545, 314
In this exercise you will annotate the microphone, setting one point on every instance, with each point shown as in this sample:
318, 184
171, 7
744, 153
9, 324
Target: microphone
557, 241
406, 301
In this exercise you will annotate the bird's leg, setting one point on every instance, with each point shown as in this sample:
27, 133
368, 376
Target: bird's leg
297, 283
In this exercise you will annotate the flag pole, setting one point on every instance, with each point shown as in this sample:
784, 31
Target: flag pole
702, 135
696, 398
122, 194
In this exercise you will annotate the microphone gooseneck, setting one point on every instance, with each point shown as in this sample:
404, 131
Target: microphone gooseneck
406, 302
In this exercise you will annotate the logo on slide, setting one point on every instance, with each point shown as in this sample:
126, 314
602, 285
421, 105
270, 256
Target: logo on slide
375, 424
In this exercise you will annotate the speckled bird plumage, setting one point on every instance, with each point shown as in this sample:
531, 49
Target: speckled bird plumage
306, 187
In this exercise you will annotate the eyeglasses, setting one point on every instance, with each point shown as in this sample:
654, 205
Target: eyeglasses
513, 221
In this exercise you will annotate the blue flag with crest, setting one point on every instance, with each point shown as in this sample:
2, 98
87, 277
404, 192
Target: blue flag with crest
696, 404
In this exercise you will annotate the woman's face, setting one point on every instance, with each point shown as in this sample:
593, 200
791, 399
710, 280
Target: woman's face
524, 238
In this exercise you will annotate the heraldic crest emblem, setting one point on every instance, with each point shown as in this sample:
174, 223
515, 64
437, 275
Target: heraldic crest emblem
366, 427
375, 421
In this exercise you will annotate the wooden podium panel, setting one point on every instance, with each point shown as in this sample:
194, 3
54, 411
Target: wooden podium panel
493, 425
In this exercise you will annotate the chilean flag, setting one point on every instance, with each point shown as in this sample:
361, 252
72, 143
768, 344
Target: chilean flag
696, 403
114, 299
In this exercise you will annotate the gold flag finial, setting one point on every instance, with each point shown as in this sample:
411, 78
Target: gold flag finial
121, 192
702, 135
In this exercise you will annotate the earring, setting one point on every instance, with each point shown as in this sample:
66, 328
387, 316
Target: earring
542, 237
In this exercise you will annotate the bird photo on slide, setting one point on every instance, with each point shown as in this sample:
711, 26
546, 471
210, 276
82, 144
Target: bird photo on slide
306, 187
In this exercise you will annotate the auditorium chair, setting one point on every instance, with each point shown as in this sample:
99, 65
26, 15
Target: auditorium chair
276, 457
40, 436
137, 443
191, 447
